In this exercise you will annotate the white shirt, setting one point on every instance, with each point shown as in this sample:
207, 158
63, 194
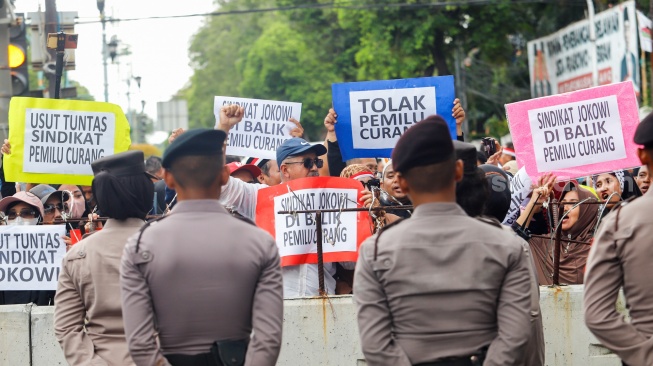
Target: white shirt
298, 281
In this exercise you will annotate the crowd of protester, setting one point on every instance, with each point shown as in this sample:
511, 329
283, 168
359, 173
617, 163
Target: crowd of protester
126, 202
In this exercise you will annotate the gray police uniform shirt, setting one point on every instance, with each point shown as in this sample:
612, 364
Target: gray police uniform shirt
443, 285
200, 276
87, 311
621, 256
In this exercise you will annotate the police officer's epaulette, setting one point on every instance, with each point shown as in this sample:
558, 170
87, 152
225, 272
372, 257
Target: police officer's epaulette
490, 221
142, 230
618, 208
383, 230
240, 216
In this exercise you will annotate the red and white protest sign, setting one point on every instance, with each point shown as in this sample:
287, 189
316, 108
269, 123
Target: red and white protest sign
576, 134
296, 234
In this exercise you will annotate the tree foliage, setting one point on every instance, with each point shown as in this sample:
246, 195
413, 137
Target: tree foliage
296, 54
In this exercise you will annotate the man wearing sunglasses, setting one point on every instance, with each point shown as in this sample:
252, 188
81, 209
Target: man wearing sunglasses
296, 158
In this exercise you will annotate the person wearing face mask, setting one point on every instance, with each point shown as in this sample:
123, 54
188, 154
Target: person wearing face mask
78, 208
578, 224
24, 208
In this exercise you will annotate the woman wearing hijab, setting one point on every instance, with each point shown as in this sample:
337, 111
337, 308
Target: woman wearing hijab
615, 186
87, 316
578, 224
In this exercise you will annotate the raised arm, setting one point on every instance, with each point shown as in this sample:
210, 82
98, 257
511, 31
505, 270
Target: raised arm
335, 165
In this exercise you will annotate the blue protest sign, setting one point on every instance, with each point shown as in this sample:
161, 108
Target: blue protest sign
372, 115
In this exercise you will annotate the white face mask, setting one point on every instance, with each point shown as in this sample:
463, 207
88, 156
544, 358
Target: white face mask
21, 221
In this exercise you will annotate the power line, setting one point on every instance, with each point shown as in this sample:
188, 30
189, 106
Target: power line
340, 5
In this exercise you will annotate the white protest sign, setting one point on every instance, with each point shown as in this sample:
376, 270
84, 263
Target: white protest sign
30, 257
380, 117
66, 142
576, 133
644, 24
265, 126
296, 234
520, 187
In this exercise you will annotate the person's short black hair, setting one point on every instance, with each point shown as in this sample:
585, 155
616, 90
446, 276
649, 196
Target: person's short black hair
480, 156
265, 168
153, 164
472, 193
232, 159
498, 199
432, 178
197, 171
123, 197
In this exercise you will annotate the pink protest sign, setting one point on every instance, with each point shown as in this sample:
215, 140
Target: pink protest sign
576, 134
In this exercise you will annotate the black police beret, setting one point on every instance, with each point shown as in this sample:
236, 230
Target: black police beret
644, 133
426, 143
201, 141
467, 153
122, 164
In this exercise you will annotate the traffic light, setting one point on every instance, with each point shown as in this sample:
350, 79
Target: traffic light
18, 57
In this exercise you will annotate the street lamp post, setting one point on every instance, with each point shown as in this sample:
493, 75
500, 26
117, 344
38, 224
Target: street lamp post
132, 123
100, 7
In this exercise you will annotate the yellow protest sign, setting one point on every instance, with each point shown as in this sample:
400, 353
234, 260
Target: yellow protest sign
55, 141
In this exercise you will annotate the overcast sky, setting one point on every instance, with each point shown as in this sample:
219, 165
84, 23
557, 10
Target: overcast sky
159, 47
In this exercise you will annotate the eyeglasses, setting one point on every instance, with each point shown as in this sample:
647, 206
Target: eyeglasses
308, 163
372, 184
25, 213
51, 207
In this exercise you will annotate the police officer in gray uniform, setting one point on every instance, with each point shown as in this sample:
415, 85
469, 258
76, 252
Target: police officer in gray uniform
206, 283
441, 288
622, 257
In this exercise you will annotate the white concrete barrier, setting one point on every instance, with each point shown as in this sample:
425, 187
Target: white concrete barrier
322, 332
567, 339
45, 348
14, 335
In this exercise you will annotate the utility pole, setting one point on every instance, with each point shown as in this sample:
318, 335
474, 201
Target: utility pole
5, 72
103, 20
51, 27
595, 63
